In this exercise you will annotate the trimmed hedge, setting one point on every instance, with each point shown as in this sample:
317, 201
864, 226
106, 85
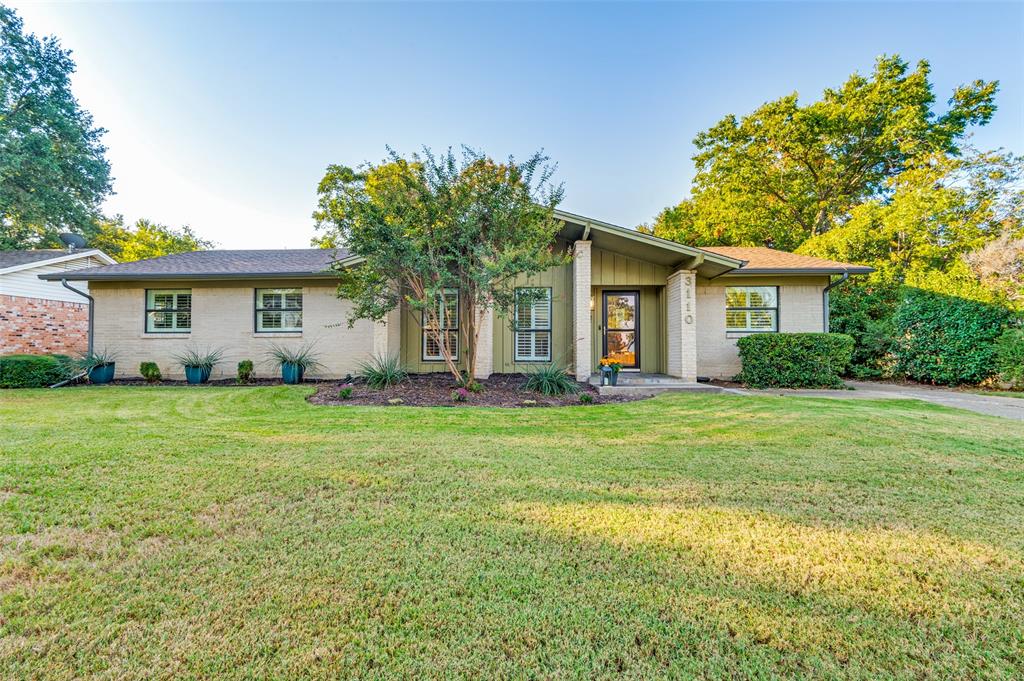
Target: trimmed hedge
1009, 348
32, 371
947, 340
794, 360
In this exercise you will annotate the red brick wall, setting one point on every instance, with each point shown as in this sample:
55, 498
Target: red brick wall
34, 326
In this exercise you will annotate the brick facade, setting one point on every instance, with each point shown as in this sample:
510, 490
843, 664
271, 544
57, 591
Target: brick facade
35, 326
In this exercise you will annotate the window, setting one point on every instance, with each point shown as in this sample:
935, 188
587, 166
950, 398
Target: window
448, 317
752, 309
169, 311
533, 325
278, 310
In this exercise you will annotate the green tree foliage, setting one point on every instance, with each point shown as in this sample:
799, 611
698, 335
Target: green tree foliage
934, 214
145, 239
788, 172
429, 223
53, 173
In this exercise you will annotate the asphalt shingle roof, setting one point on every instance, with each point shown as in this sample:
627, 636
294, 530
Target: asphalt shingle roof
296, 262
14, 258
771, 260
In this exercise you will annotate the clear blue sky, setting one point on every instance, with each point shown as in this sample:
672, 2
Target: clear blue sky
225, 116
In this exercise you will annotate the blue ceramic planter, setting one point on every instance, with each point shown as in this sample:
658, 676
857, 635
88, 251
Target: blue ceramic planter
291, 373
197, 375
102, 374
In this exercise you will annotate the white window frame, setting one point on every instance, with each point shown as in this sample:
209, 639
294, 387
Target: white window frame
177, 310
261, 310
748, 308
530, 327
451, 332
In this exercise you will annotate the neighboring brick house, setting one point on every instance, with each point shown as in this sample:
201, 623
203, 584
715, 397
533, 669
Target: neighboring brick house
41, 317
657, 306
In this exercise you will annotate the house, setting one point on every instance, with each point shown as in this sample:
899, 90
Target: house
658, 306
41, 317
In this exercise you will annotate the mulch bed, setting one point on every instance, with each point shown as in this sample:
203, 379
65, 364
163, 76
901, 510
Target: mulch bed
435, 390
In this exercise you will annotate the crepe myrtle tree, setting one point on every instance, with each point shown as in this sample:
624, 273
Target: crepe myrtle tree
429, 223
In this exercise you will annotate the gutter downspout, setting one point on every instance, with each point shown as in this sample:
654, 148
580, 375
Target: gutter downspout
92, 304
824, 298
65, 284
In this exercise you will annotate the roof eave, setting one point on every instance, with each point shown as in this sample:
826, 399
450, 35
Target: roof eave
88, 253
802, 270
591, 224
171, 276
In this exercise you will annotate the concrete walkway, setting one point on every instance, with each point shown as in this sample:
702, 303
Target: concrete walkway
993, 405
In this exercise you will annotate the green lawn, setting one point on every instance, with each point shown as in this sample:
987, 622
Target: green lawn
175, 533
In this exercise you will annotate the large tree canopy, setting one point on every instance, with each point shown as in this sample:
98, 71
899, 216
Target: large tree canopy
53, 174
429, 224
788, 172
145, 239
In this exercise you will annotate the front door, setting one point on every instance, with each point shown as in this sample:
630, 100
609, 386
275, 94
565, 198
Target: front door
622, 327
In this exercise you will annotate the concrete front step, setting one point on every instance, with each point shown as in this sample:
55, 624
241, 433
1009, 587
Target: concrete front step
656, 388
628, 378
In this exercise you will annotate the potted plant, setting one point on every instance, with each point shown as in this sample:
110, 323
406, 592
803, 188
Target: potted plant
610, 368
98, 365
198, 364
294, 362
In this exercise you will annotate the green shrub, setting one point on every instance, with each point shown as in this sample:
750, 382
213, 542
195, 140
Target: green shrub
150, 371
382, 372
33, 371
345, 393
945, 339
1009, 357
245, 370
586, 398
864, 312
551, 380
794, 360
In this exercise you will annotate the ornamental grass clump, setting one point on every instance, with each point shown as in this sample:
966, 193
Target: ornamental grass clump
382, 371
294, 362
198, 364
551, 380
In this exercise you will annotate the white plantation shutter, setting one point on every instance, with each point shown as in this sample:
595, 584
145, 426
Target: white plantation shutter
751, 309
448, 315
533, 325
168, 311
278, 310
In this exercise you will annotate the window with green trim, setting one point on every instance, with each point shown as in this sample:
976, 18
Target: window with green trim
752, 309
169, 310
447, 312
533, 325
278, 310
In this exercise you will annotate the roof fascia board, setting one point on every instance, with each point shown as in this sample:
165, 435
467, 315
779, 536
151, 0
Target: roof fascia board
170, 276
592, 224
92, 252
802, 270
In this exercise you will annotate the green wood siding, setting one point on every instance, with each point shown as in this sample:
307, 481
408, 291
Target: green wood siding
614, 269
559, 280
653, 348
412, 345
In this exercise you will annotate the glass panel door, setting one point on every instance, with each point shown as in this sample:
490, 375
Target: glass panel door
622, 327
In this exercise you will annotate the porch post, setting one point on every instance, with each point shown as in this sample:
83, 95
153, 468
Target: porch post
485, 345
581, 323
682, 325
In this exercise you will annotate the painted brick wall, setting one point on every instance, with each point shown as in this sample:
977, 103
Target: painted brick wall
800, 310
34, 326
223, 317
